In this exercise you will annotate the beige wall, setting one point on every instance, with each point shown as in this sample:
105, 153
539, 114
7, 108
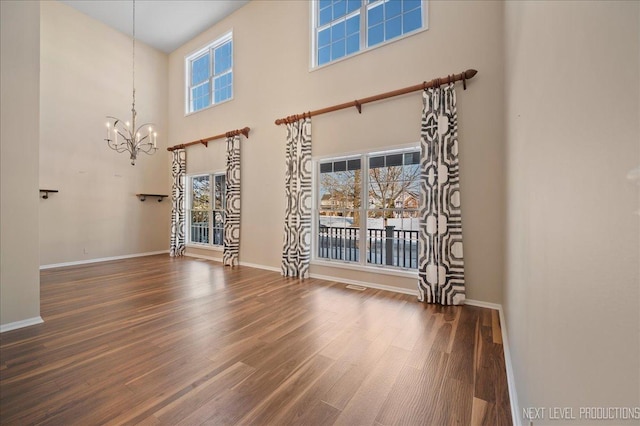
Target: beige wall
272, 79
19, 133
85, 76
573, 134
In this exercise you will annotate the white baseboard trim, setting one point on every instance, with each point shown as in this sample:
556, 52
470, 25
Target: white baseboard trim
249, 265
20, 324
102, 259
366, 284
201, 256
481, 304
255, 265
320, 277
511, 380
338, 279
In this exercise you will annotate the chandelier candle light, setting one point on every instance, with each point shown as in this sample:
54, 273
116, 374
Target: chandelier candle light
126, 137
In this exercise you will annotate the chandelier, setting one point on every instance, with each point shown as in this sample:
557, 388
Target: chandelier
124, 136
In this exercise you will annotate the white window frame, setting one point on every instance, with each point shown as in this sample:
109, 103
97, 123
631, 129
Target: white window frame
189, 204
362, 264
190, 58
314, 4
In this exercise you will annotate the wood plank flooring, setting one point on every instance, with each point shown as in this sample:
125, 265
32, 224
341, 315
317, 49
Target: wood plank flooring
182, 341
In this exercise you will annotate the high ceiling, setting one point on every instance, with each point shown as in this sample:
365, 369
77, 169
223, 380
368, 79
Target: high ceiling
163, 24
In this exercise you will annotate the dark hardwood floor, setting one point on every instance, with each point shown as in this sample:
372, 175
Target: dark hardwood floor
158, 340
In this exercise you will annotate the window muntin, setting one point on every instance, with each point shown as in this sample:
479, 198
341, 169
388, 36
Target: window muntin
344, 27
388, 19
210, 75
338, 29
382, 224
206, 209
223, 73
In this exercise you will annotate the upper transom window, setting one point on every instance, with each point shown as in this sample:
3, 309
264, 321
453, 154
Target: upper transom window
345, 27
210, 75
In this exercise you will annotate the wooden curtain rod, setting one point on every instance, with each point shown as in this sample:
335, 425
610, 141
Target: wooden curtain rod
206, 141
463, 76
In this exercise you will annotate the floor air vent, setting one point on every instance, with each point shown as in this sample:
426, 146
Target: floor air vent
355, 287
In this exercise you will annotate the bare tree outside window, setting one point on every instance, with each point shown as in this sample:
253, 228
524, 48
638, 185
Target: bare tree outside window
340, 206
200, 208
394, 185
340, 193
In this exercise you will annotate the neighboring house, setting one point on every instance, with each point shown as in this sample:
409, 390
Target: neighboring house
335, 201
408, 201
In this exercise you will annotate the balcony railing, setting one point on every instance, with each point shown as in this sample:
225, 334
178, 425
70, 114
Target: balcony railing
389, 246
200, 234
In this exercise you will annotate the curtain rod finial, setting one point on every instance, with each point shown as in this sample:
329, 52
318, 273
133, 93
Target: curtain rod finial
470, 73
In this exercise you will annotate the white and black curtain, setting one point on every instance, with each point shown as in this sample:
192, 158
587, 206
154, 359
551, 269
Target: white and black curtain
178, 172
232, 203
440, 263
296, 252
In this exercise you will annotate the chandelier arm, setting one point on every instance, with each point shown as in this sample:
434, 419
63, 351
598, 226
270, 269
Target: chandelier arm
125, 137
139, 143
122, 128
149, 151
143, 125
114, 118
111, 144
120, 148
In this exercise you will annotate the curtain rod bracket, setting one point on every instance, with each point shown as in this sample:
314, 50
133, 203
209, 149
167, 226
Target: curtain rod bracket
205, 142
358, 106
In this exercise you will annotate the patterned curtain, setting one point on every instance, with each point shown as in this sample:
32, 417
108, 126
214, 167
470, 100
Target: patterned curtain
178, 171
441, 265
232, 204
296, 252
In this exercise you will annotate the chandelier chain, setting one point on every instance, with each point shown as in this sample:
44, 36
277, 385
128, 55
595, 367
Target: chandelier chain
133, 59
